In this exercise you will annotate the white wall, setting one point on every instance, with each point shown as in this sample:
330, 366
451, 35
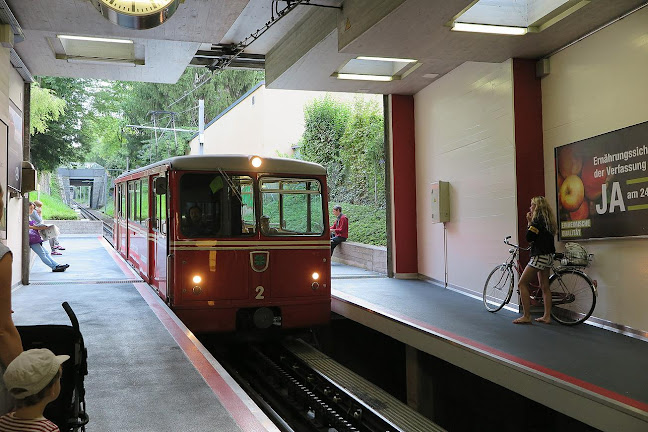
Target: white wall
596, 86
267, 122
464, 135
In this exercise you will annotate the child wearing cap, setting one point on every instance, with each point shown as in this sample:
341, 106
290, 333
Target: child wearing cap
33, 378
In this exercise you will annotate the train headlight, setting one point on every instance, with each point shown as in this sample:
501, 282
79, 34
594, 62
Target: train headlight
197, 279
315, 276
256, 161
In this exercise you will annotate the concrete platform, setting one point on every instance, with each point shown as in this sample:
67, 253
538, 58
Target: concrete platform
147, 372
588, 373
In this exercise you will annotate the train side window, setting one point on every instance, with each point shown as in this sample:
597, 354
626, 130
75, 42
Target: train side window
123, 209
132, 201
144, 214
159, 210
136, 201
162, 213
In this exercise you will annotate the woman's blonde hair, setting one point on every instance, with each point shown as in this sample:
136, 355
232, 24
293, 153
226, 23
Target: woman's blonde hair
544, 213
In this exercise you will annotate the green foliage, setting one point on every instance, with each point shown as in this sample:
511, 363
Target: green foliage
61, 143
325, 124
366, 225
45, 107
363, 153
93, 127
53, 206
142, 99
349, 141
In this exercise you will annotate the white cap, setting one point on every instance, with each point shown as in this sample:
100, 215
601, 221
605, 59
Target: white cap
31, 371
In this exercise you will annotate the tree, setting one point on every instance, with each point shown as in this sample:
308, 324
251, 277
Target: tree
362, 149
60, 142
325, 124
218, 91
44, 108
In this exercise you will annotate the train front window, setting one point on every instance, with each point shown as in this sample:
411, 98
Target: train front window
215, 205
291, 206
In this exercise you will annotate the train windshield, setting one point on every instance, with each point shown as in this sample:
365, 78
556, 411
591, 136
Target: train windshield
216, 205
291, 206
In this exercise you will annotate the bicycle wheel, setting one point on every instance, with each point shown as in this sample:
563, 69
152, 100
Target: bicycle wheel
498, 288
573, 296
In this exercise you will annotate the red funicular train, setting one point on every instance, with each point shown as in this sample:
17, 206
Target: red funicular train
230, 242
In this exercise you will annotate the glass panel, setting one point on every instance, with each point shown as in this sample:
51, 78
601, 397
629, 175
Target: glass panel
124, 207
132, 202
162, 216
291, 207
212, 205
136, 201
145, 202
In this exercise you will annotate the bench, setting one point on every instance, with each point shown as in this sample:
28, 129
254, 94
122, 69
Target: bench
365, 256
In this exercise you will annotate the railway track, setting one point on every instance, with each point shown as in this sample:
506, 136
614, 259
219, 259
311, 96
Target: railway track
304, 390
308, 391
95, 215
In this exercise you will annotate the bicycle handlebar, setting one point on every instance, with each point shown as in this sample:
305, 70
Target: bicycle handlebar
506, 241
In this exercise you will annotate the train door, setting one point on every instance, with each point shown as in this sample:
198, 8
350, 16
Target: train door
138, 225
158, 237
121, 239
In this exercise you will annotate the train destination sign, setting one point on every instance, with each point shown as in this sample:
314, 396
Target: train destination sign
602, 185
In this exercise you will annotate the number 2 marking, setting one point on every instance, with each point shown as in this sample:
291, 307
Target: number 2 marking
259, 291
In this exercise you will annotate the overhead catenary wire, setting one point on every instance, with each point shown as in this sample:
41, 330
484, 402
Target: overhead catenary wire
241, 46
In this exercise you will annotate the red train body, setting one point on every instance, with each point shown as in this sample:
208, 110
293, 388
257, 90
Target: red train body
227, 245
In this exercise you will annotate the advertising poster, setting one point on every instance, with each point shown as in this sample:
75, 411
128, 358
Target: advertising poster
4, 142
602, 185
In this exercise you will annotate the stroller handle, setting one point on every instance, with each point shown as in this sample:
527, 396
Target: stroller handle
71, 315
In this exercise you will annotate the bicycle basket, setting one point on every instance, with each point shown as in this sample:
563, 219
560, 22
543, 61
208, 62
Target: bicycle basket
575, 255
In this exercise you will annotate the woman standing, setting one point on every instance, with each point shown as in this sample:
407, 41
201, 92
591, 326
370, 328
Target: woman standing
541, 228
10, 344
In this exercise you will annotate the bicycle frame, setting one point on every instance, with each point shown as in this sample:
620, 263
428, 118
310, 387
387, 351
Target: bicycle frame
567, 294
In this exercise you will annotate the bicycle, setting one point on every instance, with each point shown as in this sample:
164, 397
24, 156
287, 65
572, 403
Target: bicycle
573, 292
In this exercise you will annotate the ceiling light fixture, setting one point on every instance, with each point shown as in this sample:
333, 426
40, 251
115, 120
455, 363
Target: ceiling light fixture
483, 28
348, 76
95, 39
386, 59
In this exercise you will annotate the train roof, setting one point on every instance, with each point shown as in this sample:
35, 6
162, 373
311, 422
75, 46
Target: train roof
235, 163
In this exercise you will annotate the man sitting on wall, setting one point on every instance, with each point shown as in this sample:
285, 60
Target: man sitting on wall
339, 229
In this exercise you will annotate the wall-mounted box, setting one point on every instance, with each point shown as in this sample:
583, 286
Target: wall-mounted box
440, 194
28, 183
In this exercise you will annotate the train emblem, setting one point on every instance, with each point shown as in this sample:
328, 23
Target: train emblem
259, 261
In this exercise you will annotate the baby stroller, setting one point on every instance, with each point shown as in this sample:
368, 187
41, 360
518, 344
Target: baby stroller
68, 411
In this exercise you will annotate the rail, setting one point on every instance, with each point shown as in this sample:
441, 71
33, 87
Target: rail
308, 391
95, 215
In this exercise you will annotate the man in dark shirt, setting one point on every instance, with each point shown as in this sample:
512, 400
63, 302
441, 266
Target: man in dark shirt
339, 229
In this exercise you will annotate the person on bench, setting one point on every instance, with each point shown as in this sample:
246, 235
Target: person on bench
339, 229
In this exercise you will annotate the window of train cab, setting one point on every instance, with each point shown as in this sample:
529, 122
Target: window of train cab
138, 205
214, 205
293, 206
160, 211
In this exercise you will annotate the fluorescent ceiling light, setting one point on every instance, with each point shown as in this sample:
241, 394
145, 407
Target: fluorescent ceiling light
100, 61
95, 39
387, 59
348, 76
482, 28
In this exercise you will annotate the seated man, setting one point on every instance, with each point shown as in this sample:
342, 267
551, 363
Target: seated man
339, 229
266, 229
194, 225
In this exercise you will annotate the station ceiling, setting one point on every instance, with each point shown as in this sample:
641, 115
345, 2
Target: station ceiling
303, 50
